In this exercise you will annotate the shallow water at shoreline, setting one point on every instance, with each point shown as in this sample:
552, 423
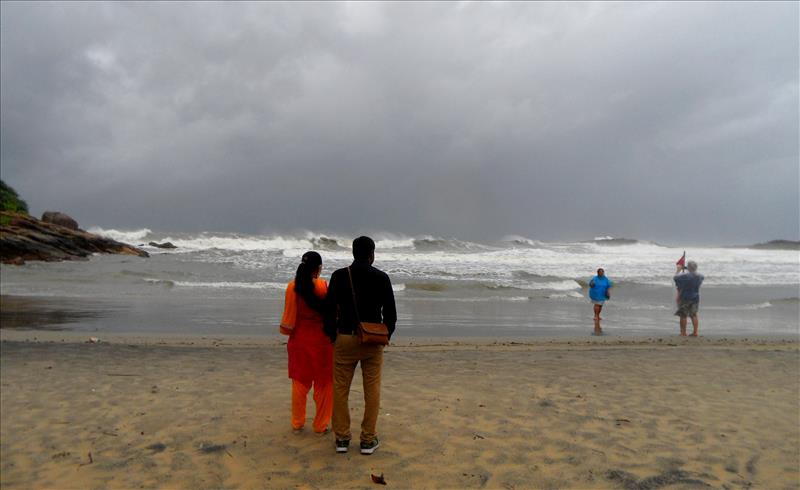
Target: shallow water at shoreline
439, 293
419, 318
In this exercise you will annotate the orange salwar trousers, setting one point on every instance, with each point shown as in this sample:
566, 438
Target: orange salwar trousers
323, 399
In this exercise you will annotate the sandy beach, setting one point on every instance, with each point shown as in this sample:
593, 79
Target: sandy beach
145, 412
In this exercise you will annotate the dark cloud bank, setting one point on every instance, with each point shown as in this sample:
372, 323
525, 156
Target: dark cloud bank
668, 121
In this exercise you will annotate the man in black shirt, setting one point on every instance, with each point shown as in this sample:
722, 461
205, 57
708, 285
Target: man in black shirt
375, 299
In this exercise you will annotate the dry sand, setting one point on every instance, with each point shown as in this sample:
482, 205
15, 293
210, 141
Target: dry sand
589, 413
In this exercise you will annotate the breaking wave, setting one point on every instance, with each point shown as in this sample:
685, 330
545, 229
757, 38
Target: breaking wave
130, 237
615, 241
292, 242
521, 242
434, 263
433, 244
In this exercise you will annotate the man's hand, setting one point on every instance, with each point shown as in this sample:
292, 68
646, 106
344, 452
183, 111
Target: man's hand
679, 268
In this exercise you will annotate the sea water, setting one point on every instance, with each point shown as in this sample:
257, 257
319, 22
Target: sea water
225, 283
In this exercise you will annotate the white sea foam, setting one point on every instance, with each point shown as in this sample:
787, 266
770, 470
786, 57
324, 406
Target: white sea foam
516, 240
757, 306
571, 294
480, 299
386, 241
125, 236
423, 258
232, 285
565, 285
161, 282
237, 243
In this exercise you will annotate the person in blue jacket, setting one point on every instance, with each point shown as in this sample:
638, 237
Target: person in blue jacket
599, 287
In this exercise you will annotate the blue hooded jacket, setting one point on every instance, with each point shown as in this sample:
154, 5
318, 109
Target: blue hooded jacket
598, 288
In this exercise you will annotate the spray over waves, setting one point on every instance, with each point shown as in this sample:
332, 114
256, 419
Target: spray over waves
435, 244
610, 240
290, 243
517, 241
124, 236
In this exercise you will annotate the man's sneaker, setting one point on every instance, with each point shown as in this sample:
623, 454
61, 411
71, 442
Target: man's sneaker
370, 447
342, 446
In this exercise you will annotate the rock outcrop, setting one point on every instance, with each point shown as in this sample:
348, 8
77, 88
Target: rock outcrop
778, 245
60, 219
24, 238
162, 245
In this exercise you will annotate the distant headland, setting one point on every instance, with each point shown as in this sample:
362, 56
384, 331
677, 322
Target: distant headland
777, 245
55, 237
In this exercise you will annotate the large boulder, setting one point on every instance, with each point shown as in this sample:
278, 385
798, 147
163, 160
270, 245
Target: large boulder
60, 219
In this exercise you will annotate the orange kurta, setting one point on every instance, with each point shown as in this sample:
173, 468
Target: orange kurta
310, 350
310, 357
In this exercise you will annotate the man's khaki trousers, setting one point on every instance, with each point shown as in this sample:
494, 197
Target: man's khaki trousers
349, 352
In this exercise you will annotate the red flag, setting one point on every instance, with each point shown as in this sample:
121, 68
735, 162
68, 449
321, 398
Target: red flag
682, 261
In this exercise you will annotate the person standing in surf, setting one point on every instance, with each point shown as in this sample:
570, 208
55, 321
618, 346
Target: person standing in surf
309, 348
599, 287
688, 299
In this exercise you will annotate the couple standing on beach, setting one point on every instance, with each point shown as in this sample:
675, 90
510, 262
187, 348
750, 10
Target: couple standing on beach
324, 348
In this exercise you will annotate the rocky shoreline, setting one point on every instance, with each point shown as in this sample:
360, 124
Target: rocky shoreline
24, 238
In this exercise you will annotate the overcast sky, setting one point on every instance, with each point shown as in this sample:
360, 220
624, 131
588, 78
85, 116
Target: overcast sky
668, 121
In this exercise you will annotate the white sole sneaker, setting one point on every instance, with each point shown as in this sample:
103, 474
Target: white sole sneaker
372, 449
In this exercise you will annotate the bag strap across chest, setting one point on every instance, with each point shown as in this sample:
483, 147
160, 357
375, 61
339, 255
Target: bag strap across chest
353, 291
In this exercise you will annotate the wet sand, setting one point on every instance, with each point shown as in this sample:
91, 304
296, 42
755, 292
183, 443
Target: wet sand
567, 413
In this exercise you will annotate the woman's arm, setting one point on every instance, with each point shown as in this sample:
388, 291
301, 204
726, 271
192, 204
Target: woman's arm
289, 310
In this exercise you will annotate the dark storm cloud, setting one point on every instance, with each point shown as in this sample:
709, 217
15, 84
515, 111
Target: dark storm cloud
667, 121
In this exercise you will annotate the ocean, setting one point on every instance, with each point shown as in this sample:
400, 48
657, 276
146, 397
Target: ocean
233, 284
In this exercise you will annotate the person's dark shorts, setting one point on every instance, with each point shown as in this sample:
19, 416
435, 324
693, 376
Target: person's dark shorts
687, 308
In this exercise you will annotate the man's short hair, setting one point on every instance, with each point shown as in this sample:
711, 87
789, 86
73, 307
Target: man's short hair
691, 265
363, 247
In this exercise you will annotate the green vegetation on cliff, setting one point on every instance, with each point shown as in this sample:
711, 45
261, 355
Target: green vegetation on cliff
10, 201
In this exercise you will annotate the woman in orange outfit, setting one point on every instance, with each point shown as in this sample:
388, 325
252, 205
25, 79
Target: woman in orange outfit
310, 350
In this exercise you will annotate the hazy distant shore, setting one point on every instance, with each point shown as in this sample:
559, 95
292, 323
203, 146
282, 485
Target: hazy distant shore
560, 413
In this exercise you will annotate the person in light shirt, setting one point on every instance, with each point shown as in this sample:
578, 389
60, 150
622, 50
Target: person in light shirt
688, 299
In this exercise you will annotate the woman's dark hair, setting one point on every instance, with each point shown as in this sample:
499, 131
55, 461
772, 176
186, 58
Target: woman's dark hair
304, 281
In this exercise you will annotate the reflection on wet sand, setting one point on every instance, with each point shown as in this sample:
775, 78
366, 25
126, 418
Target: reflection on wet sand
31, 313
